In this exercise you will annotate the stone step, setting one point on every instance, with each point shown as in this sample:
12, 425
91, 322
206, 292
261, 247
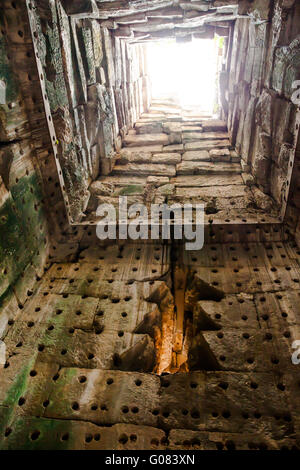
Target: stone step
166, 158
214, 125
145, 139
199, 135
165, 110
234, 157
210, 180
148, 128
196, 156
192, 128
155, 118
203, 168
144, 169
144, 149
173, 148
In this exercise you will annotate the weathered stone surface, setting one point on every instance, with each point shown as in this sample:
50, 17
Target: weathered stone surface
146, 139
122, 180
248, 179
173, 129
54, 434
279, 180
71, 311
264, 117
261, 167
247, 135
262, 200
76, 348
144, 344
168, 158
219, 191
173, 148
286, 155
125, 253
98, 389
135, 157
214, 125
195, 136
166, 189
196, 401
219, 155
192, 128
245, 166
199, 440
221, 410
228, 313
102, 189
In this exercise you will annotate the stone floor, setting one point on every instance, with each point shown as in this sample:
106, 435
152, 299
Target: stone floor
87, 350
172, 156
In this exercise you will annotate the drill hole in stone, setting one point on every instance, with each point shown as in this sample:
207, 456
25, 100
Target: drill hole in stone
123, 439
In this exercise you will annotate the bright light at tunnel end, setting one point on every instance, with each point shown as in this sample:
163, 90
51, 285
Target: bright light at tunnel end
186, 72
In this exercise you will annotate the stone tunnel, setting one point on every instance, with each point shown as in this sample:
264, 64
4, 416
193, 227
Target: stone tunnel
141, 343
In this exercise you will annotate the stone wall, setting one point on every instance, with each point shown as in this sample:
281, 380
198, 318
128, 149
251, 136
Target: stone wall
263, 121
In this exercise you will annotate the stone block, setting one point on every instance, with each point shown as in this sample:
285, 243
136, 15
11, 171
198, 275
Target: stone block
104, 397
207, 144
201, 168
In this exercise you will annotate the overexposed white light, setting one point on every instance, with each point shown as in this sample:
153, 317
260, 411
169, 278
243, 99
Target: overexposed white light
186, 71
